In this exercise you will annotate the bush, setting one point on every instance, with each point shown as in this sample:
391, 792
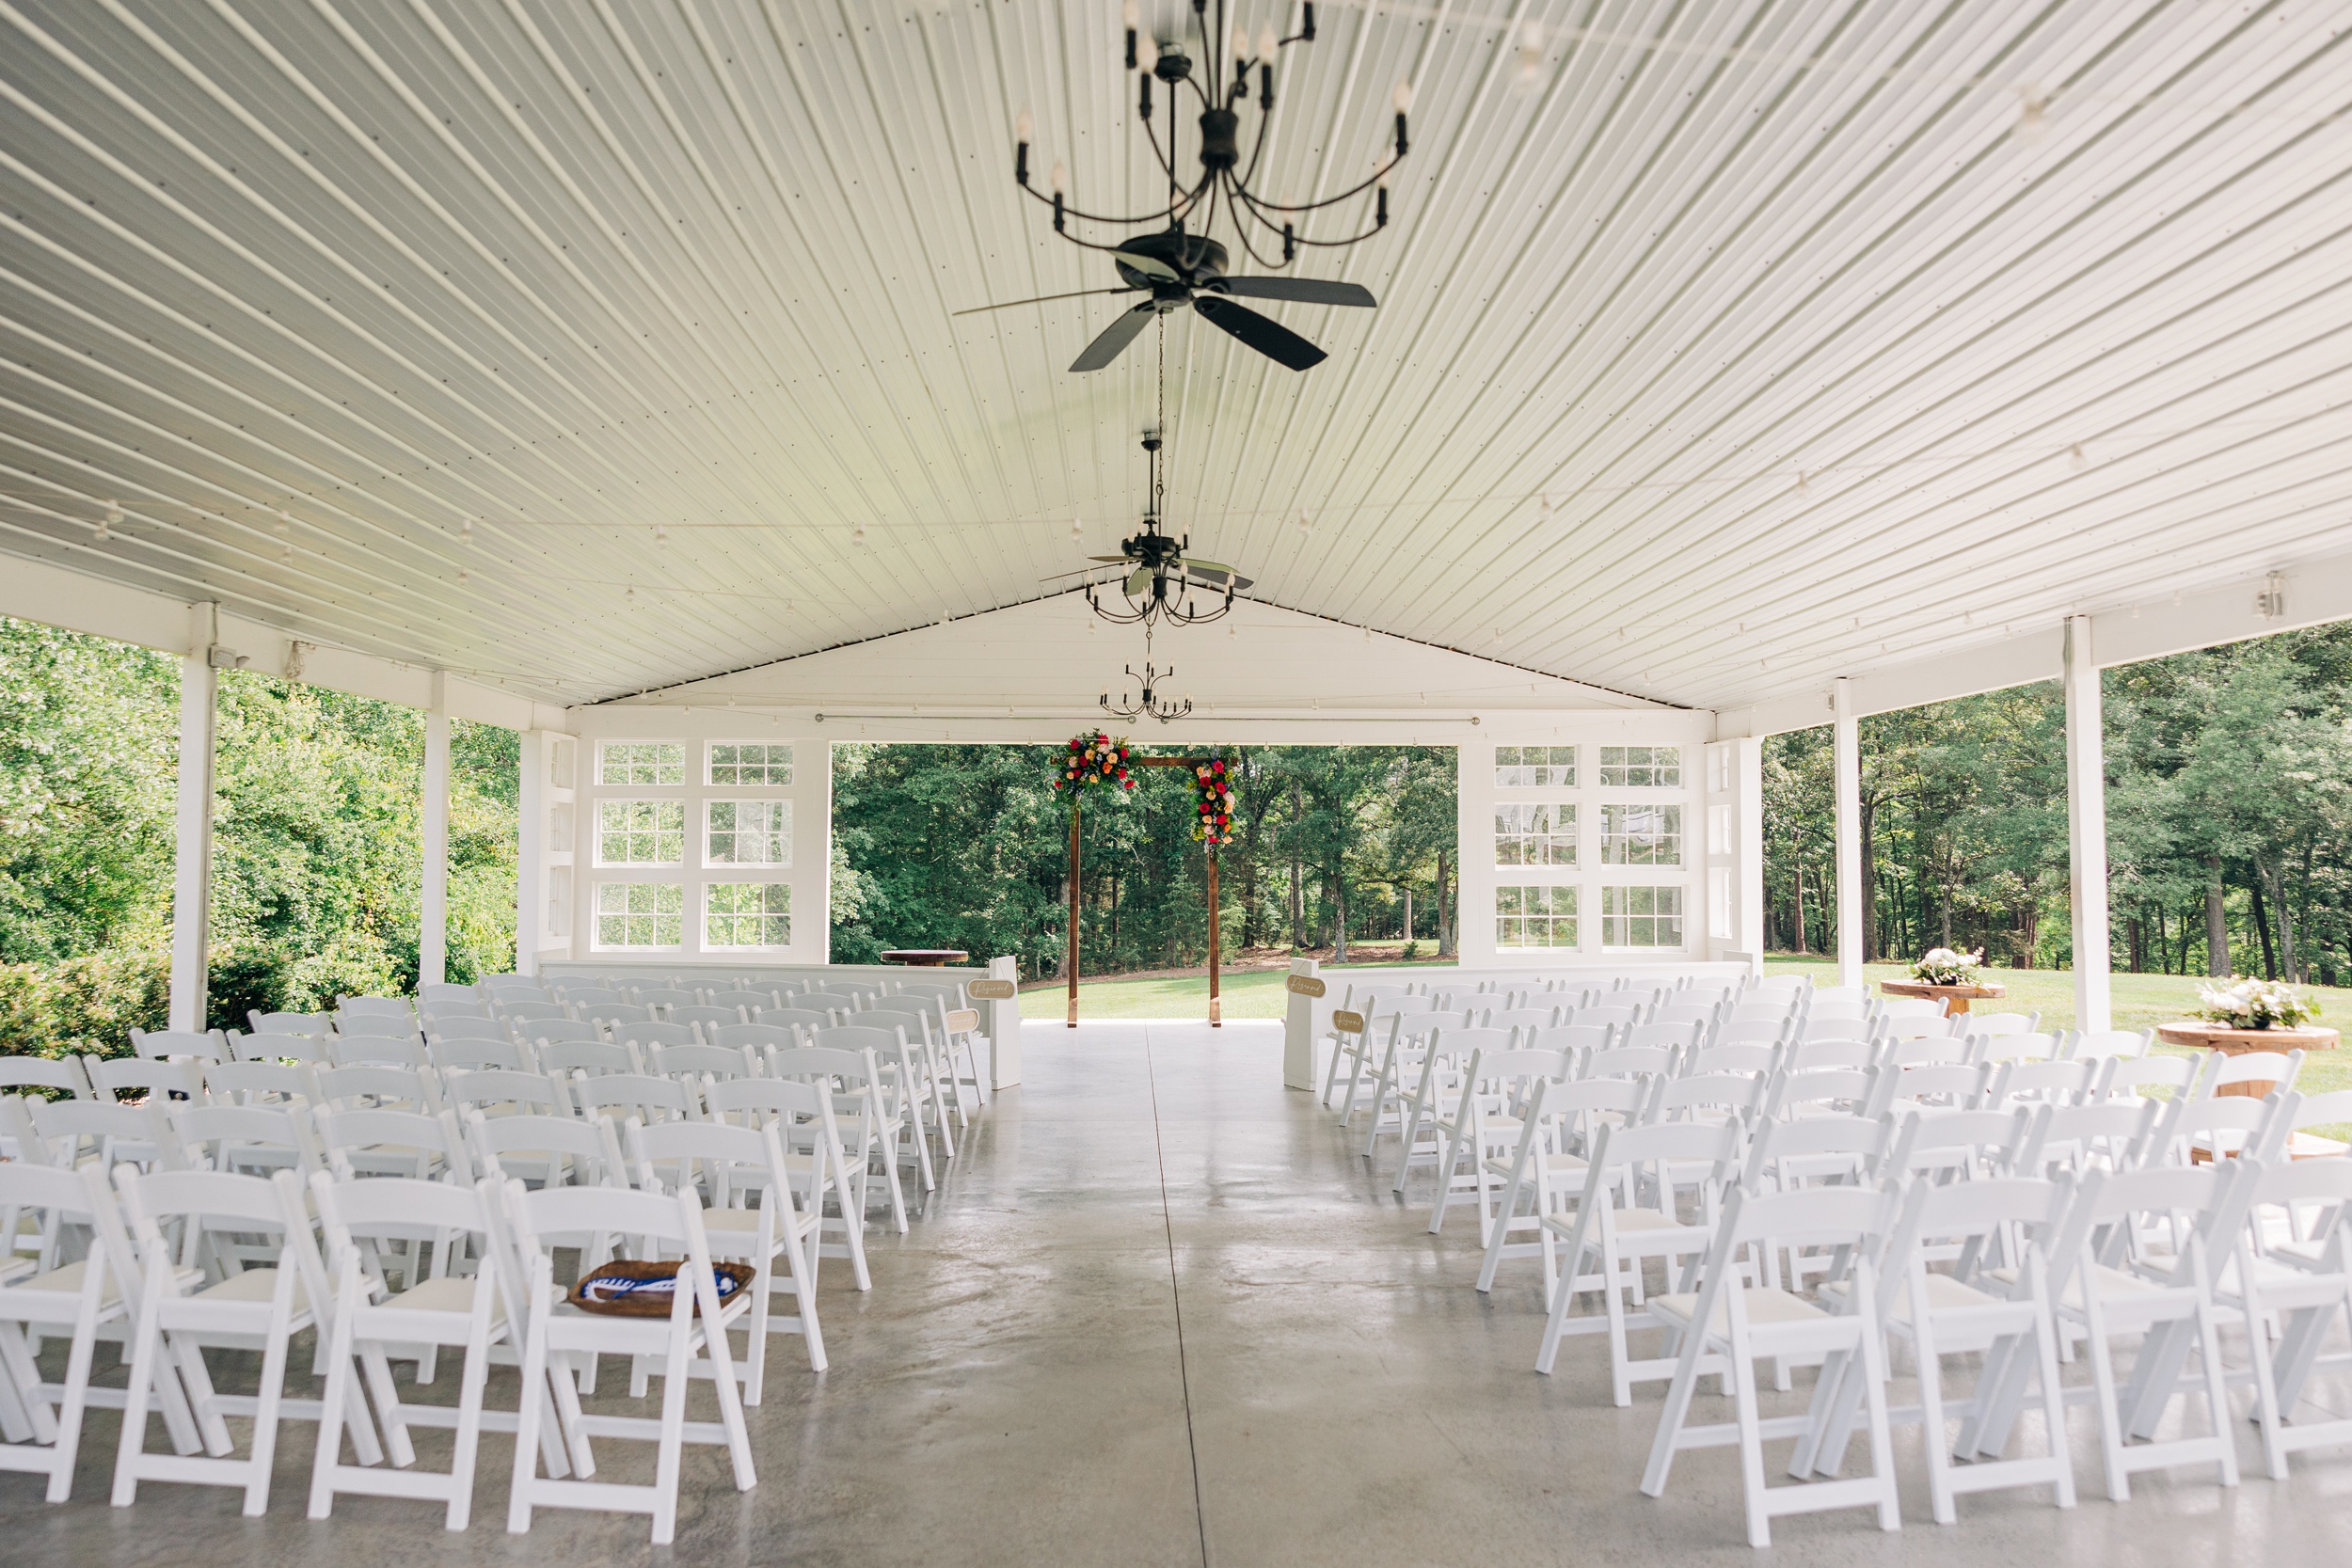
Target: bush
86, 1005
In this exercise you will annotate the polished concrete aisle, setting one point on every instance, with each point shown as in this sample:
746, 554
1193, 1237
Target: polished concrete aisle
1161, 1312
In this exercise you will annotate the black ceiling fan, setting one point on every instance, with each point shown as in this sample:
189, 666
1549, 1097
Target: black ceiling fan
1177, 269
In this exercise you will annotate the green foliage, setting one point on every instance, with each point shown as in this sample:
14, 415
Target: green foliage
317, 835
2230, 775
966, 847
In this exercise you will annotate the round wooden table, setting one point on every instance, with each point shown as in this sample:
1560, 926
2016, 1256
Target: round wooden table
2237, 1042
1955, 998
925, 958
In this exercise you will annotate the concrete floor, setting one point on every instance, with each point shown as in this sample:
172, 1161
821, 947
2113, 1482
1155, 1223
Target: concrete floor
1160, 1313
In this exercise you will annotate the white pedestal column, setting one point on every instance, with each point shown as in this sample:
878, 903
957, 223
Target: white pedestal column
2086, 827
432, 894
192, 869
1845, 744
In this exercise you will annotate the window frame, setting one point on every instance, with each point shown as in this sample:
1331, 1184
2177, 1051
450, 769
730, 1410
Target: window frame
606, 749
711, 764
1651, 765
1611, 930
709, 916
709, 832
1669, 837
1560, 833
656, 832
598, 914
1510, 908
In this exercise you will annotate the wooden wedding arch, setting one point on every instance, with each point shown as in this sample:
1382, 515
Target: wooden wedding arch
1216, 1020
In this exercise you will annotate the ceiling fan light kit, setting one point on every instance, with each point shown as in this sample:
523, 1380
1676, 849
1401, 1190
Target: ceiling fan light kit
1176, 262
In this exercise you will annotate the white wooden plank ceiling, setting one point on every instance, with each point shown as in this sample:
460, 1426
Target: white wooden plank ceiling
1724, 347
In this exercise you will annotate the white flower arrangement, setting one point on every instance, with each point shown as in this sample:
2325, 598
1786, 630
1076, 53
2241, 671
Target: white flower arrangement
1943, 966
2249, 1004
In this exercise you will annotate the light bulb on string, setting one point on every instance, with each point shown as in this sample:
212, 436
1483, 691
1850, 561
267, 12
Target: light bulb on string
105, 524
2076, 459
1077, 532
1531, 53
1306, 524
661, 533
284, 521
2033, 116
857, 535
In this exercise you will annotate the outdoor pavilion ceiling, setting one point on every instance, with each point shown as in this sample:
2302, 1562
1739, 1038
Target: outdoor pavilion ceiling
568, 345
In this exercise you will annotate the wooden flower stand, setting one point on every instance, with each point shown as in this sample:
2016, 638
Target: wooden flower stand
2236, 1042
1955, 998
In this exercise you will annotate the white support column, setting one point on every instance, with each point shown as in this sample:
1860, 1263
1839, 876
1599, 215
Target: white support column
432, 897
2086, 827
1734, 804
531, 849
192, 872
1845, 744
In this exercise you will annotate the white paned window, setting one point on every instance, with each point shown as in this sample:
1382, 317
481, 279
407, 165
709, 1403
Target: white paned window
1641, 917
1535, 767
733, 762
1641, 835
640, 833
748, 833
1535, 917
1640, 767
747, 914
640, 762
640, 914
1536, 834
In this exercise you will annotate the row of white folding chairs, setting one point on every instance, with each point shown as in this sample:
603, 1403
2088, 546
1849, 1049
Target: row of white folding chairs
1455, 1094
169, 1266
917, 1087
2049, 1256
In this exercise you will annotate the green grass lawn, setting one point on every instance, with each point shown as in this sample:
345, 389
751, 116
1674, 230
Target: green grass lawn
2140, 1001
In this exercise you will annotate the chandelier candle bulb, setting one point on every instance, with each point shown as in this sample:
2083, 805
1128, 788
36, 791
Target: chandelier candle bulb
1267, 42
1238, 44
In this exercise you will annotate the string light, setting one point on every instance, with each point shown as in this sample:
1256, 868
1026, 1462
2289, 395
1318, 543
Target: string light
2033, 116
1077, 532
857, 535
284, 521
1530, 53
105, 524
2075, 459
1306, 524
661, 533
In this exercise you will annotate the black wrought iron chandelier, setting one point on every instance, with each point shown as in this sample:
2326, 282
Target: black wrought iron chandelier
1224, 180
1163, 583
1149, 703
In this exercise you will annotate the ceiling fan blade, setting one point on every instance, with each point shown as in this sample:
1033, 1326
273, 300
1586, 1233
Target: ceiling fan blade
1137, 580
1214, 574
1115, 337
1270, 337
1113, 560
1041, 299
1307, 290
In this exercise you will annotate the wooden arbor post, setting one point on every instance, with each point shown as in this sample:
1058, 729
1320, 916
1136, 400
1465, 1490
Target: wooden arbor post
1216, 1019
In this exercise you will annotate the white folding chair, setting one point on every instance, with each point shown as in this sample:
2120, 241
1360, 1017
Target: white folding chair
1723, 1327
802, 1113
163, 1045
371, 1322
232, 1309
1972, 1310
733, 1165
1549, 1166
1615, 1228
83, 1303
555, 1330
2102, 1292
2306, 1291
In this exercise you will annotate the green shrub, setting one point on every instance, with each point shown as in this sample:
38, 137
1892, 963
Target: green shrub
86, 1005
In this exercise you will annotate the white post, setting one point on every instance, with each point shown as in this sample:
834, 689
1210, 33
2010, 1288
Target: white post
2086, 827
433, 897
192, 871
1846, 743
531, 850
1004, 1027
